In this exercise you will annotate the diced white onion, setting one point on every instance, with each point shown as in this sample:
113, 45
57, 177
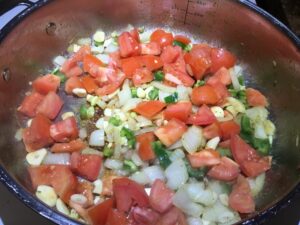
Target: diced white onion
217, 111
80, 92
177, 154
125, 94
82, 133
154, 172
113, 164
91, 151
66, 115
104, 58
57, 158
194, 221
98, 186
59, 60
163, 87
46, 194
234, 79
145, 130
131, 104
177, 144
199, 194
176, 174
218, 213
61, 207
162, 95
213, 143
140, 177
84, 41
269, 127
79, 199
257, 113
35, 158
97, 50
192, 139
143, 121
18, 134
257, 183
183, 93
97, 138
237, 105
111, 48
172, 78
136, 159
259, 131
145, 36
99, 36
224, 199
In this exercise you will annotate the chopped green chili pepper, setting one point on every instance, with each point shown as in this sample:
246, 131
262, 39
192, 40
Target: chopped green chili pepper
130, 166
241, 80
159, 75
133, 92
115, 121
153, 94
83, 112
224, 152
62, 77
179, 43
199, 83
246, 125
261, 145
161, 154
198, 173
171, 98
108, 152
125, 132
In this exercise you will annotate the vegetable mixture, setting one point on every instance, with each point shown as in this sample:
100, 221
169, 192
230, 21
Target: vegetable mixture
163, 132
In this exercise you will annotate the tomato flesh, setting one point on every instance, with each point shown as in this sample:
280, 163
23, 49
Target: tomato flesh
72, 146
145, 216
149, 109
204, 116
227, 170
72, 83
206, 157
145, 150
229, 129
142, 76
204, 95
220, 57
30, 103
212, 130
162, 38
50, 105
152, 48
160, 196
170, 54
255, 98
128, 45
98, 214
65, 130
180, 111
46, 83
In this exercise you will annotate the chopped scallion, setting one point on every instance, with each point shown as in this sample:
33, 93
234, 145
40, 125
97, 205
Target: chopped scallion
129, 134
129, 166
161, 154
108, 152
115, 121
199, 83
153, 94
159, 75
179, 43
171, 98
133, 92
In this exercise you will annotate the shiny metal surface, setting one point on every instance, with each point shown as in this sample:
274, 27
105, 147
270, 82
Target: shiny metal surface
270, 58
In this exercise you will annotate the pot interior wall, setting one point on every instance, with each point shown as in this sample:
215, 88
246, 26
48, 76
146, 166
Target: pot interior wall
271, 62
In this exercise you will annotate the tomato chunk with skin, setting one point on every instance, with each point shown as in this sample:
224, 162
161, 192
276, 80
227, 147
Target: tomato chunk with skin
152, 48
130, 65
117, 218
98, 214
89, 84
161, 196
86, 165
204, 116
162, 38
170, 54
30, 103
206, 157
151, 62
183, 39
50, 105
65, 130
204, 95
60, 177
128, 193
46, 83
220, 57
212, 130
112, 86
149, 109
171, 132
128, 45
240, 198
145, 150
227, 170
229, 129
180, 111
145, 216
222, 75
72, 146
250, 162
220, 90
37, 135
255, 98
142, 76
91, 64
72, 83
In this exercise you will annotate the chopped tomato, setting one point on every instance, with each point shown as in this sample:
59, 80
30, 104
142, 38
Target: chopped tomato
183, 39
91, 64
229, 129
240, 198
86, 165
128, 45
152, 48
89, 84
74, 72
144, 142
59, 177
149, 109
135, 34
180, 111
130, 65
225, 144
222, 75
114, 60
198, 60
220, 90
116, 218
206, 157
72, 83
152, 62
211, 131
220, 57
128, 193
204, 116
160, 196
171, 132
46, 83
111, 87
145, 216
50, 105
142, 76
250, 162
170, 54
227, 170
171, 217
255, 98
204, 95
162, 38
30, 103
37, 135
98, 214
72, 146
65, 130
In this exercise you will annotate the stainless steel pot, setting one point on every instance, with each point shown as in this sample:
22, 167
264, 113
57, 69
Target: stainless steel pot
267, 49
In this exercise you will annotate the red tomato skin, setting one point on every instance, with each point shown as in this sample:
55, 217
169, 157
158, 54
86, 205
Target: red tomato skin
145, 150
171, 132
30, 103
46, 83
152, 48
72, 83
204, 116
86, 165
183, 39
142, 76
229, 129
206, 157
220, 90
65, 130
145, 216
89, 84
50, 106
211, 131
37, 135
170, 54
98, 214
220, 57
74, 72
222, 75
128, 45
180, 111
160, 196
112, 86
149, 109
127, 193
151, 62
130, 65
72, 146
162, 38
116, 217
240, 199
204, 95
255, 98
135, 34
91, 64
227, 170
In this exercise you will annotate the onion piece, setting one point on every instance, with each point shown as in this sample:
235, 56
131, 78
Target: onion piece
154, 172
176, 174
163, 87
113, 164
177, 144
97, 138
131, 104
192, 139
259, 131
57, 158
257, 183
82, 133
177, 154
145, 130
257, 113
18, 134
104, 58
218, 213
111, 48
183, 93
125, 94
140, 177
234, 74
199, 194
59, 60
194, 221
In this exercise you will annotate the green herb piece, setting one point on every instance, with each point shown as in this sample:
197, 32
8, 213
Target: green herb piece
224, 152
198, 173
241, 80
171, 98
159, 75
129, 166
199, 83
188, 47
246, 125
261, 145
62, 77
240, 95
179, 43
161, 154
90, 112
115, 121
133, 92
83, 112
125, 132
108, 152
153, 94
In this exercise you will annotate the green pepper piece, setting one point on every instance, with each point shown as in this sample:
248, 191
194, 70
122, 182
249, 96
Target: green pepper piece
159, 75
161, 154
198, 173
